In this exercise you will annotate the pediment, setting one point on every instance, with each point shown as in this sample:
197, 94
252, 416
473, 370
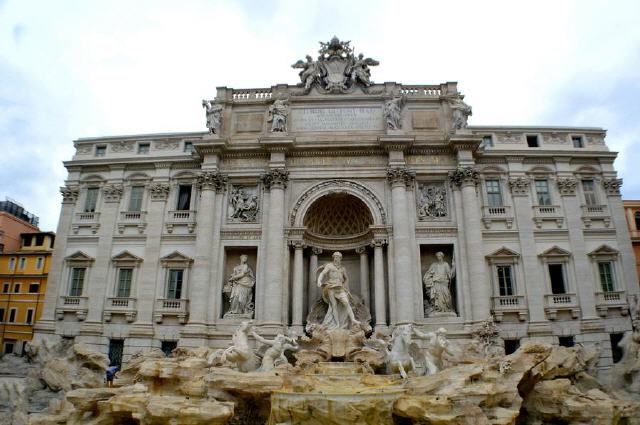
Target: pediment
79, 256
604, 250
126, 256
176, 257
503, 252
555, 251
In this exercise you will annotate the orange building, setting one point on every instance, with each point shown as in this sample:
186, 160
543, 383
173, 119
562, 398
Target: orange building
632, 212
14, 220
23, 281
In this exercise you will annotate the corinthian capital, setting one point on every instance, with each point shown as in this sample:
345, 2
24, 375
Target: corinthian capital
276, 178
400, 175
113, 192
211, 180
612, 186
464, 175
69, 194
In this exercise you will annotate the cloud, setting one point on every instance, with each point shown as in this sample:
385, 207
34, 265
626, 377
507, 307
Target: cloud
77, 69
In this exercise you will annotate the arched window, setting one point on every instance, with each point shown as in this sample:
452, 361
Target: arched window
637, 219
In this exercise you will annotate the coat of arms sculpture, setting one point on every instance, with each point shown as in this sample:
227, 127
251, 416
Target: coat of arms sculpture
337, 69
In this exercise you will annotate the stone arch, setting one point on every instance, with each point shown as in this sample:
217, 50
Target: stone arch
364, 194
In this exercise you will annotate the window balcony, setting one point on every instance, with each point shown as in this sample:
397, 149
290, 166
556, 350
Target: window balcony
180, 218
561, 302
596, 212
542, 213
120, 305
498, 213
76, 305
171, 307
132, 219
90, 220
611, 300
510, 304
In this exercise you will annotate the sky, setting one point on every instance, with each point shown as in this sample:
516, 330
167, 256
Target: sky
72, 69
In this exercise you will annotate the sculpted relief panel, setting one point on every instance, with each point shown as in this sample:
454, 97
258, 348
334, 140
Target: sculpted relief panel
432, 201
244, 204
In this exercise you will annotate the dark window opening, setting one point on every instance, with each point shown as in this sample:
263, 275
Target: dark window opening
116, 347
184, 197
39, 240
556, 275
511, 346
29, 319
1, 314
143, 148
577, 142
566, 341
637, 219
532, 141
34, 288
487, 141
168, 346
12, 315
505, 280
8, 347
616, 350
188, 147
101, 150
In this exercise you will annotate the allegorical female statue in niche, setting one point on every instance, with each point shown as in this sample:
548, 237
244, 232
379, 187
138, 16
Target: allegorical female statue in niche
239, 289
437, 282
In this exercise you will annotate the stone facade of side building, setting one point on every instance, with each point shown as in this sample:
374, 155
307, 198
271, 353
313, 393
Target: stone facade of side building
528, 220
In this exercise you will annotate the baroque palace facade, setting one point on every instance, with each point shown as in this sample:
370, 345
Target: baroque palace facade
174, 239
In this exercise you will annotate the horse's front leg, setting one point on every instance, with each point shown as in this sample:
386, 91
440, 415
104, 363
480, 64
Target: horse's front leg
401, 370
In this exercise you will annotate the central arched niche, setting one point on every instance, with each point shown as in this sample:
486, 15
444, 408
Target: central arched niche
338, 217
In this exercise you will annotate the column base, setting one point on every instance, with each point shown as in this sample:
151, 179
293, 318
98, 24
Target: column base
194, 330
141, 330
45, 327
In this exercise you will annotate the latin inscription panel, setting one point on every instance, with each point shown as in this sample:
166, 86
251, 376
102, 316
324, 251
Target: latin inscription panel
336, 119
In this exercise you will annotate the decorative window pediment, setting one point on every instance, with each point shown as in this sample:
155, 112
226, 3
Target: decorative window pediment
79, 258
604, 252
125, 257
176, 259
503, 255
555, 252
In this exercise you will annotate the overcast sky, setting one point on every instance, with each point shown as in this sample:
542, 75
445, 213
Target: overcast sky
71, 69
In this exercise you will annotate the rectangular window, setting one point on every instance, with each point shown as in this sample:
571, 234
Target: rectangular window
577, 141
39, 262
1, 314
605, 270
29, 318
542, 192
174, 285
188, 147
505, 280
8, 347
589, 190
12, 264
34, 288
511, 346
487, 141
616, 350
168, 346
91, 199
77, 281
22, 264
124, 282
12, 315
39, 240
5, 287
556, 276
116, 347
494, 195
532, 140
566, 341
135, 198
143, 148
16, 288
101, 150
184, 197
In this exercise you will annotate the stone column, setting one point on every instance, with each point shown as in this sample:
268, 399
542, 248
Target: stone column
533, 280
364, 274
298, 282
146, 291
584, 280
313, 275
209, 182
403, 282
55, 279
275, 181
466, 179
378, 283
96, 289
